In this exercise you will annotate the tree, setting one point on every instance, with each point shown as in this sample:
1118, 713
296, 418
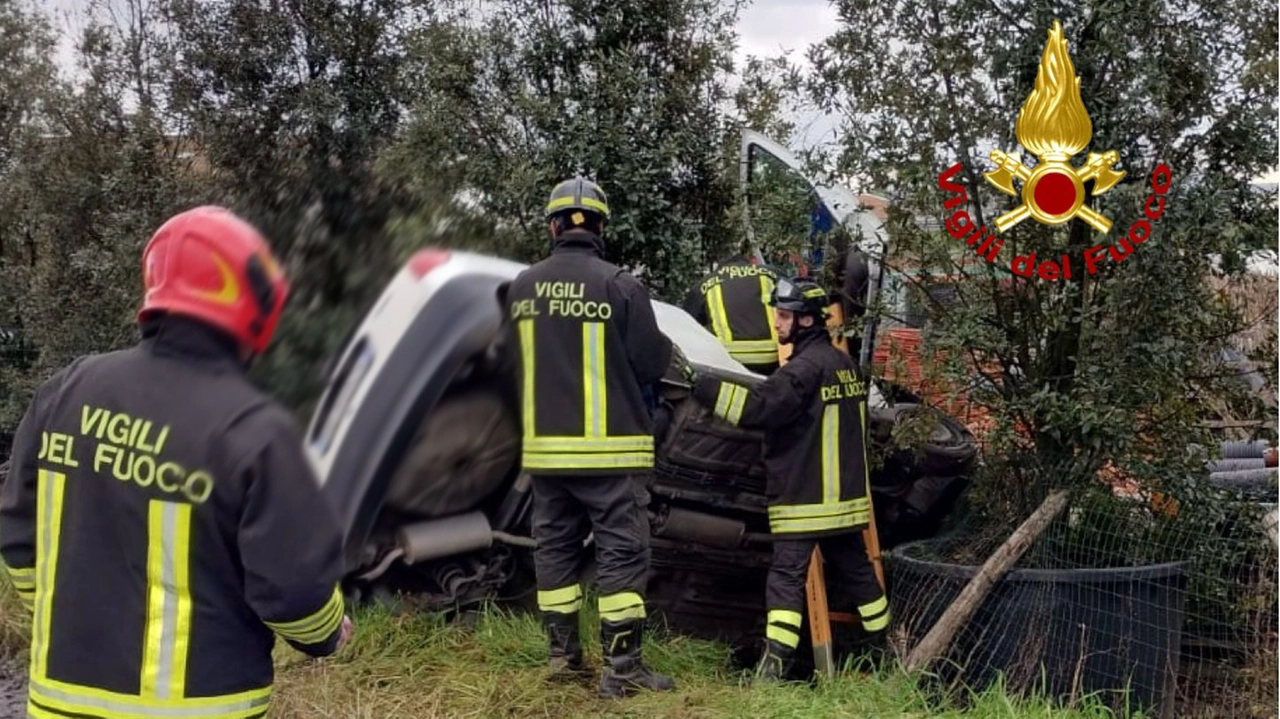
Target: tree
1103, 376
88, 177
629, 93
938, 84
292, 103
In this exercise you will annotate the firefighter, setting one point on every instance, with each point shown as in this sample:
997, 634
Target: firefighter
813, 413
159, 518
591, 350
733, 302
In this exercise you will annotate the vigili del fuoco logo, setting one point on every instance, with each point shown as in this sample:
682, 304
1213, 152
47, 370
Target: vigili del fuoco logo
1054, 126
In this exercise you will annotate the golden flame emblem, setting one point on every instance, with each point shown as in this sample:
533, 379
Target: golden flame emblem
1053, 125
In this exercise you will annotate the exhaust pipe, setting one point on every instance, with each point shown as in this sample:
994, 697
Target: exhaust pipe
708, 529
435, 538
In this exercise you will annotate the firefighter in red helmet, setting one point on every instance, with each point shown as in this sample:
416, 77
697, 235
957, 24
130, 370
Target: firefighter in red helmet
160, 520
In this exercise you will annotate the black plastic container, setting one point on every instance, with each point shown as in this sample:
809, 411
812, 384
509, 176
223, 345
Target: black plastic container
1061, 632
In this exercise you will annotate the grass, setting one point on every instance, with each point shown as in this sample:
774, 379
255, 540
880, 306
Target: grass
412, 664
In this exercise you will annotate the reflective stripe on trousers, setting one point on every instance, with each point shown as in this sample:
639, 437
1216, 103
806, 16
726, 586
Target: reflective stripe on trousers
621, 606
565, 600
875, 615
784, 627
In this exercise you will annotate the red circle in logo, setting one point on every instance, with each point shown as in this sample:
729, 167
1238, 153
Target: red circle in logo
1055, 193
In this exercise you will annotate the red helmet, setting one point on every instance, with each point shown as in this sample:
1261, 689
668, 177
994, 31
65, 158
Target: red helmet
210, 264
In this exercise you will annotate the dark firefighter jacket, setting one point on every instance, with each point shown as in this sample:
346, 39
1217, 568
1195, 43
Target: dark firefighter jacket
813, 411
734, 303
589, 346
161, 521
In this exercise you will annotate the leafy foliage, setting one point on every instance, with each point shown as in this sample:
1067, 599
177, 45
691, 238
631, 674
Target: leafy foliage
1105, 369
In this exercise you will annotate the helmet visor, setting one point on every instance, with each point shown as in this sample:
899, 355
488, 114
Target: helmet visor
785, 290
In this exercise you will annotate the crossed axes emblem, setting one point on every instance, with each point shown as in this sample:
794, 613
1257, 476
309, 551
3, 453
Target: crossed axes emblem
1097, 167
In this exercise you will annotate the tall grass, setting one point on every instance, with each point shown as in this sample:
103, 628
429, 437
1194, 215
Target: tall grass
490, 663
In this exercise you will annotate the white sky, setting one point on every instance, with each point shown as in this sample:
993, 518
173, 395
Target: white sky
765, 28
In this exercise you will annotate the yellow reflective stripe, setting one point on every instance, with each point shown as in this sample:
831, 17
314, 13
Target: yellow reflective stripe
571, 445
785, 616
813, 511
751, 346
736, 404
730, 400
315, 627
78, 700
788, 526
719, 316
38, 713
875, 625
22, 576
167, 635
50, 488
755, 357
565, 600
871, 609
594, 393
782, 635
620, 606
766, 290
875, 614
526, 358
588, 201
866, 466
723, 397
28, 600
603, 460
831, 454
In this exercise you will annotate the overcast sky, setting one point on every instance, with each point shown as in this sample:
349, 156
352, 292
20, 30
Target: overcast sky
765, 28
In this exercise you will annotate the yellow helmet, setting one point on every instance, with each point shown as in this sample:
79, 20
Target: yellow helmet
579, 194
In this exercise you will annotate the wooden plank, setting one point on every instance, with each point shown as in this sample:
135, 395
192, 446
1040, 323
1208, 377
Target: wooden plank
958, 613
824, 661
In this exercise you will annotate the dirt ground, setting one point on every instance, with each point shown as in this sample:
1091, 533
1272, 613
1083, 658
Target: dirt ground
13, 690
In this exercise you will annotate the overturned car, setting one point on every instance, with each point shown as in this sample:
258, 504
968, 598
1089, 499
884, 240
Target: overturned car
416, 441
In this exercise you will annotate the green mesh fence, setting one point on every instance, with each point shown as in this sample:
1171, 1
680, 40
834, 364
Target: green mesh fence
1163, 604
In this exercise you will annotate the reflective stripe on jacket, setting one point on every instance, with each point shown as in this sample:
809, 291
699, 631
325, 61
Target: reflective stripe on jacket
589, 346
814, 414
734, 303
164, 527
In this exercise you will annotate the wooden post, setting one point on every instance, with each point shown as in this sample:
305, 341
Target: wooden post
936, 641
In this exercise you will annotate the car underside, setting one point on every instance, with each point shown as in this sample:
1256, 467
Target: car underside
417, 442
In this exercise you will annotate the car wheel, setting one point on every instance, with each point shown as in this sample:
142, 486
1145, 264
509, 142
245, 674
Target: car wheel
464, 450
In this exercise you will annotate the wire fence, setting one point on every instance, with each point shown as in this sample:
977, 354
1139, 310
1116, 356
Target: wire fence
1168, 608
1162, 603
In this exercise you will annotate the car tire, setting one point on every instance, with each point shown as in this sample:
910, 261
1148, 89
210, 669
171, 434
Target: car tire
948, 451
464, 450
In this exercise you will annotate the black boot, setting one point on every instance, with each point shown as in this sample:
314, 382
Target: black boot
565, 647
624, 668
775, 663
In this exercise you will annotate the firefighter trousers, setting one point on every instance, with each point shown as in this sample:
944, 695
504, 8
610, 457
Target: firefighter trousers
565, 509
785, 587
